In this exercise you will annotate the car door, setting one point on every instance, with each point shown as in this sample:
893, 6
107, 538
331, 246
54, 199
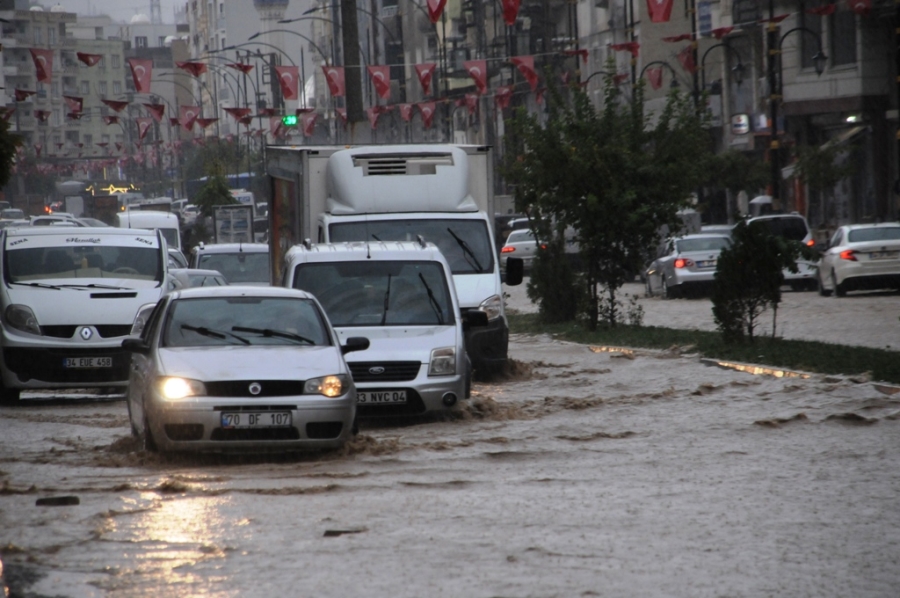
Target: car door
826, 264
141, 369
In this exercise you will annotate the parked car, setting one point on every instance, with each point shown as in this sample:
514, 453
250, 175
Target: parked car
861, 257
687, 264
240, 368
55, 219
792, 227
12, 214
189, 214
177, 259
186, 278
240, 263
520, 243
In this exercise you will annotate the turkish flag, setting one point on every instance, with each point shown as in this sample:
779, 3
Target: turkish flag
141, 73
37, 149
244, 68
309, 123
510, 11
471, 102
632, 47
205, 122
822, 11
686, 58
427, 110
406, 112
654, 76
237, 113
102, 144
156, 111
720, 32
502, 96
74, 115
43, 64
194, 68
275, 125
42, 115
381, 79
660, 10
119, 145
435, 8
582, 52
678, 38
289, 79
23, 94
143, 124
861, 7
525, 64
111, 120
334, 76
116, 105
187, 116
88, 59
173, 121
425, 71
477, 69
776, 19
342, 112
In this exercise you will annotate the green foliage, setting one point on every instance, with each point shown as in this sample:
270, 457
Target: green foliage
552, 282
749, 276
9, 143
736, 171
820, 167
610, 176
215, 192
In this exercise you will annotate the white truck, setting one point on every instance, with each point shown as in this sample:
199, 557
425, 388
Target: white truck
395, 193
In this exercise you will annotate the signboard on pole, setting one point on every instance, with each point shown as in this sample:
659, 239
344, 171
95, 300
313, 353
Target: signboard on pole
233, 224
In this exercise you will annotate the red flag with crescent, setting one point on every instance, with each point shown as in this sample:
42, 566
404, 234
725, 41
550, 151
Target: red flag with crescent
425, 71
116, 105
156, 111
74, 103
43, 64
406, 112
686, 58
308, 121
525, 64
471, 100
427, 110
720, 32
205, 122
678, 38
633, 47
119, 145
822, 11
334, 76
88, 59
237, 113
861, 7
23, 94
654, 76
266, 112
143, 124
187, 116
342, 112
141, 73
381, 79
74, 115
194, 68
37, 149
477, 69
240, 66
42, 115
660, 10
502, 96
582, 52
435, 8
776, 19
275, 125
510, 11
373, 113
289, 79
102, 144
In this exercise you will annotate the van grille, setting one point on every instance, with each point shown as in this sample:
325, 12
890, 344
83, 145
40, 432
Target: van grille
392, 371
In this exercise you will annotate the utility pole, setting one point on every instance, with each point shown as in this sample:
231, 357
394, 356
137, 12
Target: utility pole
352, 75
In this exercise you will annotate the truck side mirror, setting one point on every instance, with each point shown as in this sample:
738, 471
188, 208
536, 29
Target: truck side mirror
515, 271
474, 318
135, 345
355, 343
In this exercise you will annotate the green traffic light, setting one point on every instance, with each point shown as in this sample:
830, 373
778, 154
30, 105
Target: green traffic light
289, 120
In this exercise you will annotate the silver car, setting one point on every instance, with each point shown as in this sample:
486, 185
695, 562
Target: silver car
686, 263
240, 368
520, 243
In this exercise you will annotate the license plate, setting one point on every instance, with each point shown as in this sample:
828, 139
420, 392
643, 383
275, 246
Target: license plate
87, 362
706, 264
884, 255
381, 396
249, 419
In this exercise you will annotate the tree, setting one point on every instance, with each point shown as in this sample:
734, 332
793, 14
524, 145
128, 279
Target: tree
215, 192
9, 143
609, 177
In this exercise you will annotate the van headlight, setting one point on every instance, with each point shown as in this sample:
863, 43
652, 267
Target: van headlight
173, 388
140, 320
22, 318
492, 306
443, 362
329, 386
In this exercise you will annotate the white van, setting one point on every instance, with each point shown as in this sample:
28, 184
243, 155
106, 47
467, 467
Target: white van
165, 222
401, 296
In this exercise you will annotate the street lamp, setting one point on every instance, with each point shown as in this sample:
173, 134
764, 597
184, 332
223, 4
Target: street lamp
661, 63
737, 71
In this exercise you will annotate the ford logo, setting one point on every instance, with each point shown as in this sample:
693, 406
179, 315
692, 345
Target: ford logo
255, 388
377, 370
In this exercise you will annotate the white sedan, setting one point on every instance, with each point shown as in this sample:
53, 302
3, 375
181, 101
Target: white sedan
689, 263
522, 244
861, 257
239, 368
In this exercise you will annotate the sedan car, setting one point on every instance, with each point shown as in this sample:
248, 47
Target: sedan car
687, 263
861, 257
187, 278
239, 368
520, 243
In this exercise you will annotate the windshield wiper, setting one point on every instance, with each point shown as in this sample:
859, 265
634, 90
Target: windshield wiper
276, 333
435, 306
39, 285
467, 251
94, 286
202, 330
387, 299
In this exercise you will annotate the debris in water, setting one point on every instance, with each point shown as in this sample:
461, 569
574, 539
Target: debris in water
776, 422
57, 501
852, 418
334, 533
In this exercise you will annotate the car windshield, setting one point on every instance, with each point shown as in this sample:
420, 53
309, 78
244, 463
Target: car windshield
465, 244
881, 233
101, 261
244, 321
702, 244
237, 267
520, 236
792, 229
379, 293
12, 214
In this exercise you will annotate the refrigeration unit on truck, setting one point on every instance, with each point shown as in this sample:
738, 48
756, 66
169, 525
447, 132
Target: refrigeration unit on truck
443, 193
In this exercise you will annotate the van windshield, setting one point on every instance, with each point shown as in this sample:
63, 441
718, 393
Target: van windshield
106, 261
465, 244
379, 293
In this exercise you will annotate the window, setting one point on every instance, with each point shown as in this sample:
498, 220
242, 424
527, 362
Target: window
809, 45
102, 63
843, 37
115, 61
103, 88
88, 140
54, 89
161, 41
117, 88
104, 138
38, 35
140, 41
85, 88
104, 111
51, 36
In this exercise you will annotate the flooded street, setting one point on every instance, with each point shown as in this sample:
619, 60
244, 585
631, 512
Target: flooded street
586, 473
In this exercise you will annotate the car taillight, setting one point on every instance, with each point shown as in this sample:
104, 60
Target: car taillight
683, 263
810, 243
848, 254
543, 246
507, 249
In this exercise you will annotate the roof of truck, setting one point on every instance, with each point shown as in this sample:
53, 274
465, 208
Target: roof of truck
376, 250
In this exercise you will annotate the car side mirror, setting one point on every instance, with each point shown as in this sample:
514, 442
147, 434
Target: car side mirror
515, 271
135, 345
355, 343
474, 318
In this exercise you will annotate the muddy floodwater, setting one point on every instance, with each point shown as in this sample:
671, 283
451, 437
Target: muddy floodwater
585, 472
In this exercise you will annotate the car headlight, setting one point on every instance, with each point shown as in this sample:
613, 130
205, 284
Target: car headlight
443, 362
173, 388
329, 386
22, 318
492, 306
140, 320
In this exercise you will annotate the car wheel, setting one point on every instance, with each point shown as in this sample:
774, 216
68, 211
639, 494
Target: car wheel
149, 444
822, 290
648, 291
667, 291
839, 290
9, 396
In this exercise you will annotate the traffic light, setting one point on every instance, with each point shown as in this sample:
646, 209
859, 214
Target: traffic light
289, 120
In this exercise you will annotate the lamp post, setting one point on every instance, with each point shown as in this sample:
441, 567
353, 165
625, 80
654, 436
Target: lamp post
737, 71
661, 63
774, 66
